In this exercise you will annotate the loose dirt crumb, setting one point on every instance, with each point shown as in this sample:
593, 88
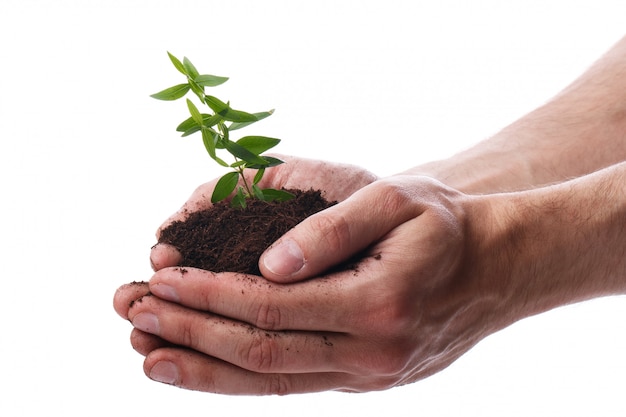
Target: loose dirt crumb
139, 300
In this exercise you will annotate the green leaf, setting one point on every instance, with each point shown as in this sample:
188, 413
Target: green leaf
225, 186
239, 200
259, 116
271, 194
195, 113
172, 93
197, 90
237, 164
224, 109
258, 193
207, 80
258, 144
209, 138
242, 153
216, 104
191, 70
258, 176
224, 131
179, 66
271, 162
189, 126
195, 128
238, 116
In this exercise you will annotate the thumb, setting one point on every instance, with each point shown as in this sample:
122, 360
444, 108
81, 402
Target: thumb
335, 235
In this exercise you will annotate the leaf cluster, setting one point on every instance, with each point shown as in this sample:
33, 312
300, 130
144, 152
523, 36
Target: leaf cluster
215, 126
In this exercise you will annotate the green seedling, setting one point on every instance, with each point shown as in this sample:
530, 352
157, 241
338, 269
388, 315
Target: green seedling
215, 127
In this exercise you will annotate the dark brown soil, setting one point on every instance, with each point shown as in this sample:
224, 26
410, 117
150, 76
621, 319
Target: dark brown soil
223, 238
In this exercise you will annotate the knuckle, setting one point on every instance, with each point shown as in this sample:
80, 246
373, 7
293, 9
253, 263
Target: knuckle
261, 355
186, 334
396, 195
268, 317
390, 362
334, 231
277, 384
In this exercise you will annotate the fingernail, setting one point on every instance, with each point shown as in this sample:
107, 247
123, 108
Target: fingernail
165, 292
284, 259
146, 322
165, 372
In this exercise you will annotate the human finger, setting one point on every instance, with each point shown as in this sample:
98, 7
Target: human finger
126, 295
337, 181
319, 305
336, 234
192, 370
240, 343
144, 343
163, 255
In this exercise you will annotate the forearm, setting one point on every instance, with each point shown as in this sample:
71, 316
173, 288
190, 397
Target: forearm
558, 245
579, 131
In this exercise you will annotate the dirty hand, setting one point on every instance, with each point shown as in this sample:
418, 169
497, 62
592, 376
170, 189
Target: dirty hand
408, 308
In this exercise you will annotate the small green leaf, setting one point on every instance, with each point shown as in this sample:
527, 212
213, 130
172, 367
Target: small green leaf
224, 109
238, 116
216, 104
271, 162
207, 80
193, 129
239, 200
209, 138
172, 93
225, 186
191, 70
258, 193
259, 116
179, 66
189, 126
271, 194
224, 131
258, 144
242, 153
195, 113
237, 164
197, 90
258, 176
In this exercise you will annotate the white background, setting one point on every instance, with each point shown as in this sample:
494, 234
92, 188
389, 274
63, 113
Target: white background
91, 166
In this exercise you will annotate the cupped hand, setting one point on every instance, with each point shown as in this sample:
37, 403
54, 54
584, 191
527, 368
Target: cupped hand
336, 181
406, 309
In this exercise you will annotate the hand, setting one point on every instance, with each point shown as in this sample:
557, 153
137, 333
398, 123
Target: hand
438, 270
337, 181
407, 309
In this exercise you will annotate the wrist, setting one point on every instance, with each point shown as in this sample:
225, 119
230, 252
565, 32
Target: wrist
553, 246
481, 170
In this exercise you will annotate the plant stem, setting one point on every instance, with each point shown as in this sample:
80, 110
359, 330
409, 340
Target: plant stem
245, 182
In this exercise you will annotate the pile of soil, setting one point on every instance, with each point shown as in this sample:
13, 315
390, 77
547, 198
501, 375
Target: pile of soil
223, 238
